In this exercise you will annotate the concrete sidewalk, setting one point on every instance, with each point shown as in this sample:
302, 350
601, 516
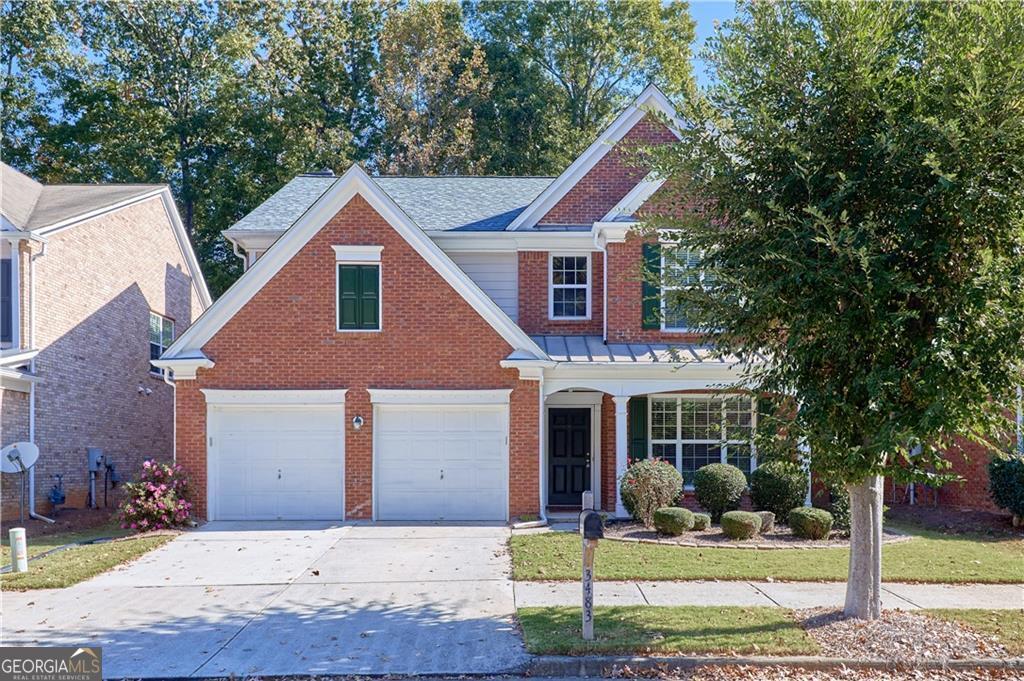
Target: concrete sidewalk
780, 594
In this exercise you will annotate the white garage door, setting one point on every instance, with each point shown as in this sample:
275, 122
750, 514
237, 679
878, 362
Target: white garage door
439, 462
277, 462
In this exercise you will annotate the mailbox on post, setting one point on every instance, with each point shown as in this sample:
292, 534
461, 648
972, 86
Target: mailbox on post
591, 529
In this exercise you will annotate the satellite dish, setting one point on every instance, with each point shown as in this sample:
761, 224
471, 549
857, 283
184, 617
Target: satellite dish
24, 452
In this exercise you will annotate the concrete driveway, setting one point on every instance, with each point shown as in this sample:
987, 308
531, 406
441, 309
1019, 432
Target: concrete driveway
291, 598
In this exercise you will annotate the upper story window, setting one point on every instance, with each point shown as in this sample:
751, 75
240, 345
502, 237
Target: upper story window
161, 335
569, 284
8, 295
359, 288
678, 271
690, 432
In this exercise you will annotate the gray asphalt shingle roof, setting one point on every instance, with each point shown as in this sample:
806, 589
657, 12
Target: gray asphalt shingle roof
29, 205
434, 203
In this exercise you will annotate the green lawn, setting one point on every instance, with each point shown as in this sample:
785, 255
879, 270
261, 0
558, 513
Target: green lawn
654, 630
65, 568
929, 557
1005, 625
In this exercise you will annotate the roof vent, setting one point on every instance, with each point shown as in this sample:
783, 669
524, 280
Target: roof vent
324, 172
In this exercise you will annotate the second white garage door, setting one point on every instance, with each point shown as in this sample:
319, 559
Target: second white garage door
441, 462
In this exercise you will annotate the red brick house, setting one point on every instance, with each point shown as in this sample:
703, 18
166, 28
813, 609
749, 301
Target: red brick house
458, 348
95, 280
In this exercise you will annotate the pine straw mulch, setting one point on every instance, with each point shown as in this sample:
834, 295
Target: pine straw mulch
781, 537
741, 673
897, 636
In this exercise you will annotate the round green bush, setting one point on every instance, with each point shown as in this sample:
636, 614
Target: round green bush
1006, 484
810, 523
778, 486
718, 488
740, 524
672, 520
648, 485
701, 521
767, 521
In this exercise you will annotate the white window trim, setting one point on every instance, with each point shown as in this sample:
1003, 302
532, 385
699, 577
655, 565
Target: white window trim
678, 442
552, 285
357, 254
337, 292
662, 305
158, 373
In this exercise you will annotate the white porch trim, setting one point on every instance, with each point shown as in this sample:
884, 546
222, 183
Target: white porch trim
621, 450
593, 401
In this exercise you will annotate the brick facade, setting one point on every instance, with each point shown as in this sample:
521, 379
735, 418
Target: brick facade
285, 337
610, 179
534, 294
95, 287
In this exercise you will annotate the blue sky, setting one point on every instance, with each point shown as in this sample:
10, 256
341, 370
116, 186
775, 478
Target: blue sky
705, 13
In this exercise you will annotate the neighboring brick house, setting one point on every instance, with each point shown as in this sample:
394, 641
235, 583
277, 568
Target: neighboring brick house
457, 348
96, 280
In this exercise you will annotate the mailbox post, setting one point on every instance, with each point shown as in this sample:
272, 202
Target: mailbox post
591, 529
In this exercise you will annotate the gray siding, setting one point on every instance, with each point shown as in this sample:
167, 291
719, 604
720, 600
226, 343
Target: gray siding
496, 273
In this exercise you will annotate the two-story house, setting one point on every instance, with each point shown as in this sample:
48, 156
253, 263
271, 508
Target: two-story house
95, 281
459, 348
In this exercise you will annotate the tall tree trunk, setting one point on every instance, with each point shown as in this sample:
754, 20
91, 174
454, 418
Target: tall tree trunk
864, 582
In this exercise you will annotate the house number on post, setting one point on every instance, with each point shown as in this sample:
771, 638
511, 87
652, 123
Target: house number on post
591, 529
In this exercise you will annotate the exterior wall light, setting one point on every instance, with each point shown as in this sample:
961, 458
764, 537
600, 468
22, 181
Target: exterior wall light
357, 422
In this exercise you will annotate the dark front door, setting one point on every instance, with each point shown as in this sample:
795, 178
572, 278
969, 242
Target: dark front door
568, 456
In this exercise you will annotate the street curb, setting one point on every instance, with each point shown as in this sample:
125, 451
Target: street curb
565, 666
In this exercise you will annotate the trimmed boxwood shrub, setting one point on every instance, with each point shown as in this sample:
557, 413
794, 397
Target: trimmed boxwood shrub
648, 485
1006, 484
740, 524
810, 523
718, 488
778, 486
767, 521
673, 520
701, 521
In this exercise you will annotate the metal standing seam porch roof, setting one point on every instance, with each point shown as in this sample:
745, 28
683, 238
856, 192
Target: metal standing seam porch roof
592, 349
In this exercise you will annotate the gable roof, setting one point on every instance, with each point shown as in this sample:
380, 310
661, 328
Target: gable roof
651, 99
338, 194
448, 203
39, 209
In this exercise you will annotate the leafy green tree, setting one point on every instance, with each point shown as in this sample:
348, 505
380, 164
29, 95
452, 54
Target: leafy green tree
432, 79
852, 186
597, 52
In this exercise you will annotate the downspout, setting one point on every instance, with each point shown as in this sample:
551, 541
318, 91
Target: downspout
165, 374
32, 386
541, 468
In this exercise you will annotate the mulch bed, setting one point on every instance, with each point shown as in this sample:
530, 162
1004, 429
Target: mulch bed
899, 636
779, 538
67, 520
955, 521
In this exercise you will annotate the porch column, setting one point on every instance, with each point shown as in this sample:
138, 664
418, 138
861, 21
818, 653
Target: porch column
621, 449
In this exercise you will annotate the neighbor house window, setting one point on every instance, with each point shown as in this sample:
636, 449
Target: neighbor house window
678, 271
691, 432
359, 288
161, 335
569, 295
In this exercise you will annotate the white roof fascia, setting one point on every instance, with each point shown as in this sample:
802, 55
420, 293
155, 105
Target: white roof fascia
103, 210
651, 99
15, 357
354, 181
636, 197
183, 367
253, 239
12, 379
508, 242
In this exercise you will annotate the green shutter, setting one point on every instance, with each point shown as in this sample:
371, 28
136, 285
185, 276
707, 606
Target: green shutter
637, 427
651, 291
358, 297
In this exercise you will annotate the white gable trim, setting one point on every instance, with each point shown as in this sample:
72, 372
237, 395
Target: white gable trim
636, 197
651, 99
354, 181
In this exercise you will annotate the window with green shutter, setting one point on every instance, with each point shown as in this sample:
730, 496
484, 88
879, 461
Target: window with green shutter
651, 312
358, 297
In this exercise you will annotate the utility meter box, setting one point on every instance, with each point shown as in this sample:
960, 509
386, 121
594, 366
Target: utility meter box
591, 525
95, 459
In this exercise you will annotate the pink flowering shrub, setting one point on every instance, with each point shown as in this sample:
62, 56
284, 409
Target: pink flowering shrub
159, 500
